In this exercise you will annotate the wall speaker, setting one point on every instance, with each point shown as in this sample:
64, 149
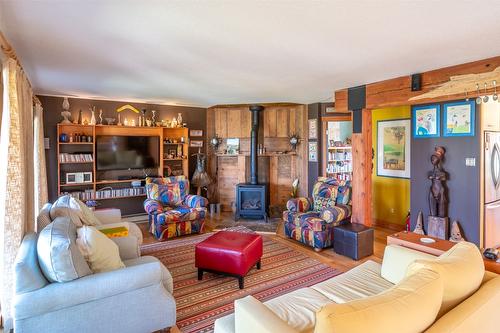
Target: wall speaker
416, 82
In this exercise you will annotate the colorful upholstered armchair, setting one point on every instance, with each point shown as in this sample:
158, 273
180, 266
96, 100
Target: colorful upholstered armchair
311, 220
172, 210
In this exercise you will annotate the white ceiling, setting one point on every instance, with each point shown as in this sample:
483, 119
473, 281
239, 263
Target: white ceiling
218, 52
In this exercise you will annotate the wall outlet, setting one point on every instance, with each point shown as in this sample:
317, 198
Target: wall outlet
470, 161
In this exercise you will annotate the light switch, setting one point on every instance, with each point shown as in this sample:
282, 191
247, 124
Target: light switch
470, 161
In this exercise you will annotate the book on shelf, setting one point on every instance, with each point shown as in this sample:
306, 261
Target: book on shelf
81, 195
108, 192
75, 158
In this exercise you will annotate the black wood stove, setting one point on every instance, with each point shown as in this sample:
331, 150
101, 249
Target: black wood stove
251, 199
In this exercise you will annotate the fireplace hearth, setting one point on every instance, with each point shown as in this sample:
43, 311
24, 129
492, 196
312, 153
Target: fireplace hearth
251, 199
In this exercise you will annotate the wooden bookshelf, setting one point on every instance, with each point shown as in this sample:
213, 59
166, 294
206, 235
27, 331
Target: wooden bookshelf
180, 135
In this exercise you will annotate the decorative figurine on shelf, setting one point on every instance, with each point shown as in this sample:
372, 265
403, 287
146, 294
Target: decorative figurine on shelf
455, 233
65, 112
294, 140
80, 118
200, 177
92, 118
153, 117
419, 227
142, 118
179, 119
119, 120
295, 188
100, 116
174, 122
437, 221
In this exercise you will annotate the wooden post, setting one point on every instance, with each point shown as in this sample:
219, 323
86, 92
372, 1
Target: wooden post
362, 172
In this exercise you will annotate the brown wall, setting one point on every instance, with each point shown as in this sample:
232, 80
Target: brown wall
52, 107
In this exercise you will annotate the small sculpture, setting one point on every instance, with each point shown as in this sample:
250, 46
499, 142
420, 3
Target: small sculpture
65, 112
419, 227
294, 140
174, 122
100, 116
119, 120
437, 195
200, 177
179, 119
153, 117
456, 234
295, 188
92, 118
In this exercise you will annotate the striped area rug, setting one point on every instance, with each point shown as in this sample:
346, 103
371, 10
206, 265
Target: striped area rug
200, 303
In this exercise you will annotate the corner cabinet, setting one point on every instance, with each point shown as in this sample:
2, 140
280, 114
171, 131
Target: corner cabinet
77, 170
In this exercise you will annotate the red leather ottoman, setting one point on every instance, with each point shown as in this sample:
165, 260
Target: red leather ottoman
228, 252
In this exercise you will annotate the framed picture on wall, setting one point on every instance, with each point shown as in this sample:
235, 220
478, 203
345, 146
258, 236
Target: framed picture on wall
313, 129
393, 148
313, 152
194, 132
459, 118
426, 121
196, 143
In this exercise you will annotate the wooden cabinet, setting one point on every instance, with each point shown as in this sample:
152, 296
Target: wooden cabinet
232, 122
280, 122
490, 116
220, 116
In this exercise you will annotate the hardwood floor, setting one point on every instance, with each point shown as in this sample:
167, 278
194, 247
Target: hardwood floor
327, 256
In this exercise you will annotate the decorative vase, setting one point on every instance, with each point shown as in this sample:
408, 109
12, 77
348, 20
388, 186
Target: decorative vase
92, 118
65, 112
179, 119
80, 119
100, 116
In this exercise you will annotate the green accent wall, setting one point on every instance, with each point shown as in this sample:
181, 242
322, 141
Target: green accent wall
391, 196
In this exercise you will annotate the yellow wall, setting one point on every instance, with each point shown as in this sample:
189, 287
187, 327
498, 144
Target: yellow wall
391, 196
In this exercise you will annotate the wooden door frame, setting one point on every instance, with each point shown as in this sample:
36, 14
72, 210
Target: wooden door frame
324, 121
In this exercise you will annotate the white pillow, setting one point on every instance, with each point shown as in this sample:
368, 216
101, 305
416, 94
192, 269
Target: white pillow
76, 210
101, 253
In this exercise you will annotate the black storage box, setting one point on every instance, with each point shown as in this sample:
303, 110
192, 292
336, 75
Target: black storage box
353, 240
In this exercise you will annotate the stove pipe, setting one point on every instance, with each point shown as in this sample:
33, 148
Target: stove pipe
255, 109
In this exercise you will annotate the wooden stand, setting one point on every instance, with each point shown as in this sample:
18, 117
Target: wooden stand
438, 227
412, 241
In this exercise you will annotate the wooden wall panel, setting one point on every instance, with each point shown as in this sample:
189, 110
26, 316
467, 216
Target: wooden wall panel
270, 123
246, 122
292, 121
362, 172
221, 122
341, 101
233, 123
282, 122
227, 177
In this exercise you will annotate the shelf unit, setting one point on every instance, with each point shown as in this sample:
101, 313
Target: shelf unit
87, 190
339, 162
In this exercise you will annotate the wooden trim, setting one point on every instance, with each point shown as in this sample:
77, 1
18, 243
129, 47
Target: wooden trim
247, 105
362, 172
388, 225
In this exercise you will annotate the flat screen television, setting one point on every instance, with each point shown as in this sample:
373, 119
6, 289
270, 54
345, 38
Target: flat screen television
115, 152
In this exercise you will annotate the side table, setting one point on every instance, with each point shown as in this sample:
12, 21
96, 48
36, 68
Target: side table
353, 240
412, 240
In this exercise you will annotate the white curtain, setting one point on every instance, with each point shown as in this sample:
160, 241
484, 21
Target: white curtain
16, 175
41, 191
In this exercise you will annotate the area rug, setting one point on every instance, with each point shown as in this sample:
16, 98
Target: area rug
256, 225
200, 303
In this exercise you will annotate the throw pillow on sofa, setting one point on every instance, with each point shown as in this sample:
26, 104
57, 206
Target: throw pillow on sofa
168, 194
462, 270
58, 253
73, 208
101, 253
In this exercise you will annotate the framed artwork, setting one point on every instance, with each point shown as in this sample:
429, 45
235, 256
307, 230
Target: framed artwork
459, 118
195, 132
87, 177
313, 152
233, 146
426, 121
196, 143
313, 129
330, 109
393, 148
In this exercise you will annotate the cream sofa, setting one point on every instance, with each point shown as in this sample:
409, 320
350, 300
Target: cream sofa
409, 292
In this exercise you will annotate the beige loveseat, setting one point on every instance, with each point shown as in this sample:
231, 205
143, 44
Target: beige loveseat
409, 292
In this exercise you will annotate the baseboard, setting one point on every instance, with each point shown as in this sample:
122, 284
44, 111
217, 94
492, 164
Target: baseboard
388, 225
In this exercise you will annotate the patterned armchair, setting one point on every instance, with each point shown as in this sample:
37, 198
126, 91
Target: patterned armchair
311, 220
172, 211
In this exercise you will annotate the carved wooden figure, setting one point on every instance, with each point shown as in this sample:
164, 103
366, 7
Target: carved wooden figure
437, 196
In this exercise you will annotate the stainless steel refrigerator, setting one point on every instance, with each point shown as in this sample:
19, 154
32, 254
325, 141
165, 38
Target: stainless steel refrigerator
492, 189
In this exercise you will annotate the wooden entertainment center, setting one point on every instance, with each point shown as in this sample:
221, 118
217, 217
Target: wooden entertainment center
78, 156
